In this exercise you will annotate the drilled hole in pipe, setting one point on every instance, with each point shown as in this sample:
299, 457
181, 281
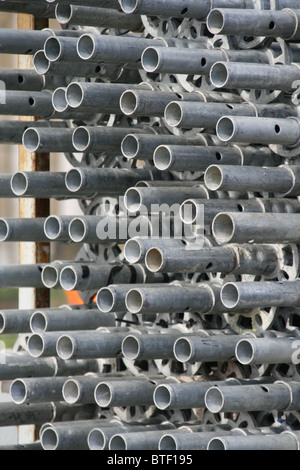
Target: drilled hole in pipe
130, 146
277, 129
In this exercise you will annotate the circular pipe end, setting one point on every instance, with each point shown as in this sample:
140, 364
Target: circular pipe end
68, 278
96, 440
213, 177
132, 200
223, 228
130, 146
77, 230
31, 139
162, 397
128, 6
18, 391
150, 60
52, 48
105, 300
131, 347
103, 395
154, 260
71, 391
134, 301
86, 46
4, 230
74, 180
52, 227
19, 183
81, 139
182, 349
74, 95
173, 114
50, 277
230, 295
215, 21
214, 400
219, 75
225, 129
117, 442
167, 442
38, 322
162, 157
128, 103
244, 351
132, 251
65, 347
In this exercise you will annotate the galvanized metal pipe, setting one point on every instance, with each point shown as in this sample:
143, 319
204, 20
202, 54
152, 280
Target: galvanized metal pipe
230, 227
98, 17
258, 130
22, 103
135, 248
266, 350
124, 393
136, 440
277, 396
37, 390
66, 319
87, 182
192, 440
56, 227
48, 140
143, 146
238, 259
14, 229
80, 389
190, 9
39, 184
87, 276
254, 22
21, 80
67, 436
16, 276
90, 344
267, 294
149, 346
11, 131
24, 42
286, 440
234, 75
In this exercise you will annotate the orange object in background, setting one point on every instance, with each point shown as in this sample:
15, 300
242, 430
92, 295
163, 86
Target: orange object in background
75, 299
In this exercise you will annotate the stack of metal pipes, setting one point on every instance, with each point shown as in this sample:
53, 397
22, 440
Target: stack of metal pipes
181, 123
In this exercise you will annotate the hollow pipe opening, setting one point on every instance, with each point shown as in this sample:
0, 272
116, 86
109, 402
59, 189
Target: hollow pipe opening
103, 395
96, 440
130, 347
229, 295
81, 139
65, 347
244, 351
117, 442
219, 75
68, 278
52, 227
2, 322
154, 259
59, 100
188, 212
130, 146
150, 59
49, 439
134, 301
85, 46
216, 444
50, 276
162, 158
128, 103
213, 177
31, 139
18, 391
214, 400
223, 228
38, 322
74, 180
19, 183
52, 49
41, 63
71, 391
35, 345
215, 21
173, 114
4, 230
225, 128
132, 251
182, 349
74, 95
167, 442
132, 200
63, 13
105, 300
162, 397
128, 6
77, 230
